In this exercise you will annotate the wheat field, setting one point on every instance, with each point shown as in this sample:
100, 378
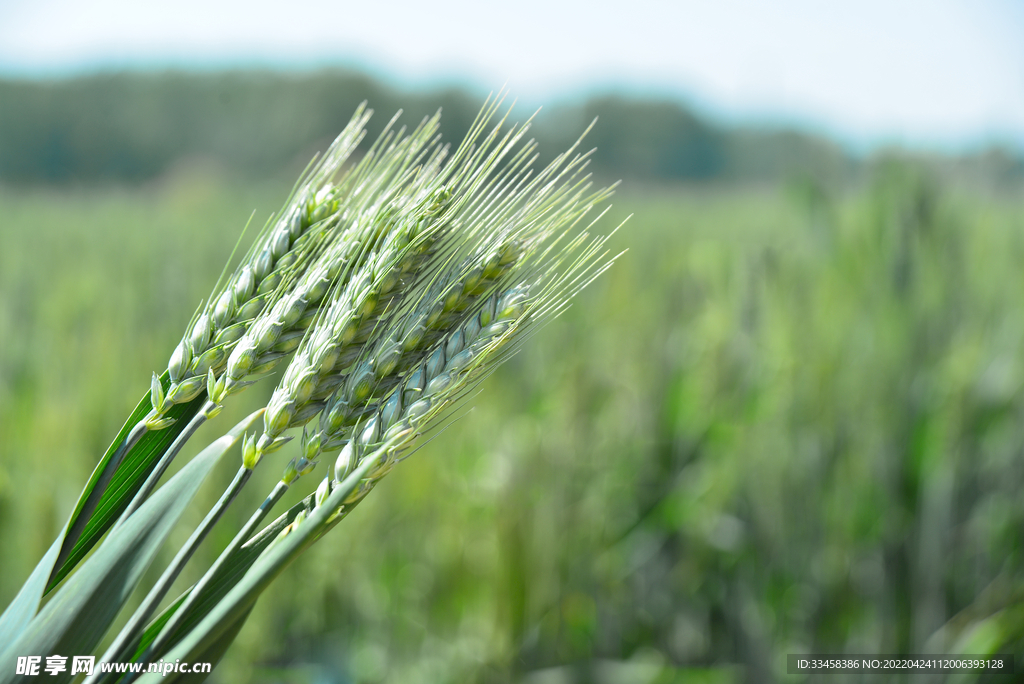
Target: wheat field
788, 420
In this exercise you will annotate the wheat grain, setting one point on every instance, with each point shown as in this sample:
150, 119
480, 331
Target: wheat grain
262, 292
270, 264
352, 318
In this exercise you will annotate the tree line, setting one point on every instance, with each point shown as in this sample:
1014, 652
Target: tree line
133, 126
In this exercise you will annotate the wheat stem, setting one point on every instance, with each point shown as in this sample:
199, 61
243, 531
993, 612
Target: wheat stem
130, 634
169, 628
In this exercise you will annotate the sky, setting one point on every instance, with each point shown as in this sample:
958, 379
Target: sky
923, 73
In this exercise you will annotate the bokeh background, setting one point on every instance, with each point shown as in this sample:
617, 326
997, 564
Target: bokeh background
789, 420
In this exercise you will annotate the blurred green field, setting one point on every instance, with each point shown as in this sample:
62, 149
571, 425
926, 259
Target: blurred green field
787, 421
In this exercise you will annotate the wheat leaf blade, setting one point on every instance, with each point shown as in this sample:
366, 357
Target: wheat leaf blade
82, 610
26, 604
100, 506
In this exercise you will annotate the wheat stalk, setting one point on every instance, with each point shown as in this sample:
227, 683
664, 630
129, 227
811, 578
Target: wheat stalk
392, 288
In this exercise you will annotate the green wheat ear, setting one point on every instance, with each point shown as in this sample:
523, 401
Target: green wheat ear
391, 287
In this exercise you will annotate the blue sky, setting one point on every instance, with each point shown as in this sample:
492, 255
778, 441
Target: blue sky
920, 72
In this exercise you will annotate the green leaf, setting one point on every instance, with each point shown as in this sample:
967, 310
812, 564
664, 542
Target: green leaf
25, 605
80, 612
101, 504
